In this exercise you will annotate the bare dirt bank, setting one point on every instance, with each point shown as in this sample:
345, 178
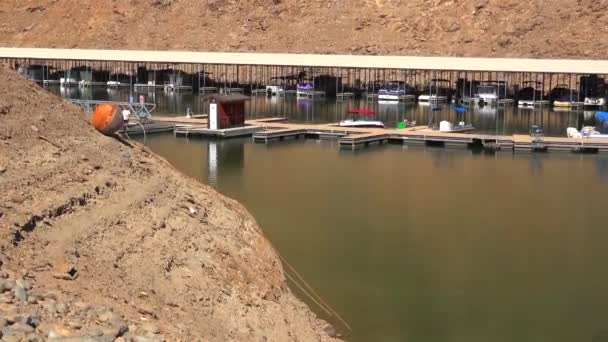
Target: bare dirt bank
96, 226
506, 28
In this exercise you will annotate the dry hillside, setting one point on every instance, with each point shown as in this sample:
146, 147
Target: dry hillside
516, 28
105, 240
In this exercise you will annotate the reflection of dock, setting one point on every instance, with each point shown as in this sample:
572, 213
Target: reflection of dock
345, 95
532, 103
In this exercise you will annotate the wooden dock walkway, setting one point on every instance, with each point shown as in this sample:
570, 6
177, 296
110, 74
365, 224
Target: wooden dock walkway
266, 130
358, 137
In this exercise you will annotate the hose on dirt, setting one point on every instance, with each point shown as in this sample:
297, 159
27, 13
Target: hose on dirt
323, 304
306, 288
143, 129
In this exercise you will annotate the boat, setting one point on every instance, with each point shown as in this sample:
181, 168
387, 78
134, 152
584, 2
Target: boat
361, 123
530, 96
305, 89
448, 127
274, 90
594, 101
391, 95
585, 132
395, 92
563, 97
593, 88
357, 122
113, 84
601, 116
68, 81
487, 94
438, 90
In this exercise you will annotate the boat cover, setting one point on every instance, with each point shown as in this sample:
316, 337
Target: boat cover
602, 116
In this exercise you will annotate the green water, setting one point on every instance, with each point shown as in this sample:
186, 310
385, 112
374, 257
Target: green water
427, 244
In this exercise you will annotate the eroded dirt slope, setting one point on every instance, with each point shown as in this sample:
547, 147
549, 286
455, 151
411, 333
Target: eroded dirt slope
88, 217
535, 28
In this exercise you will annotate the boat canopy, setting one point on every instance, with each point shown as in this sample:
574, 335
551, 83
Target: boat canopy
459, 109
602, 116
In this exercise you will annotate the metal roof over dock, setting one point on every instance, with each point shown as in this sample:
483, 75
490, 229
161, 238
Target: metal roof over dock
578, 66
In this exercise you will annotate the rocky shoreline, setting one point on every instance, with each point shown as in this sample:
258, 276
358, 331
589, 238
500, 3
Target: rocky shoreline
36, 314
106, 236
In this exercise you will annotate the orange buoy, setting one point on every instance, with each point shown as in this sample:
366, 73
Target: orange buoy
107, 119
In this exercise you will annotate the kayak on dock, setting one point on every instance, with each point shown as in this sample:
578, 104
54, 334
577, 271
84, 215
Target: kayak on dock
355, 121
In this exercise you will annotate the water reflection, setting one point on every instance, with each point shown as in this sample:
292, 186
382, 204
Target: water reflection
486, 119
427, 244
224, 159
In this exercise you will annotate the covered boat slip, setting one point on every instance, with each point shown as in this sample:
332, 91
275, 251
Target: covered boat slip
338, 61
337, 76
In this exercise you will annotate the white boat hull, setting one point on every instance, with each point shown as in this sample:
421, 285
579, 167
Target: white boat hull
532, 103
487, 99
275, 90
361, 123
387, 97
432, 98
592, 101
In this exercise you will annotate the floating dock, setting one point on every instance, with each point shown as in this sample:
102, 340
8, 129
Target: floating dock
266, 136
354, 141
267, 130
354, 138
187, 130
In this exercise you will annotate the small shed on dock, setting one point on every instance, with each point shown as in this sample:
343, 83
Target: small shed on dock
226, 111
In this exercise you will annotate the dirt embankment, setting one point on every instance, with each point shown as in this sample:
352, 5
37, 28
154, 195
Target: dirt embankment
106, 240
508, 28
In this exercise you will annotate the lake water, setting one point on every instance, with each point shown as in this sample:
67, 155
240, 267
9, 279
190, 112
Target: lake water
427, 244
491, 120
419, 243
